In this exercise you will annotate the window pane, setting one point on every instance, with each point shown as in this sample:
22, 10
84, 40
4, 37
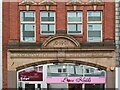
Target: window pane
74, 16
44, 27
44, 14
28, 38
94, 27
51, 27
28, 32
28, 27
94, 39
94, 34
94, 16
74, 28
47, 16
27, 16
47, 28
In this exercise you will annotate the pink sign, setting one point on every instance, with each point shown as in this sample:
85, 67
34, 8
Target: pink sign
76, 80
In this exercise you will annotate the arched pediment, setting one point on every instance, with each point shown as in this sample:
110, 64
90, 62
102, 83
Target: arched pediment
61, 41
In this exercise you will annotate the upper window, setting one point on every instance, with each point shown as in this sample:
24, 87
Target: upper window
27, 21
94, 26
47, 24
74, 20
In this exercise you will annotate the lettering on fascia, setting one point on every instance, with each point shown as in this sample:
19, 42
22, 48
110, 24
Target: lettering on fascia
80, 79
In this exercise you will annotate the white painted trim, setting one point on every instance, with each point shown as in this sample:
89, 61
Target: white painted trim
95, 22
21, 33
75, 23
49, 22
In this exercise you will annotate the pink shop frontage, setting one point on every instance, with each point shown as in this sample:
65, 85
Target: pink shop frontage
80, 80
62, 76
77, 83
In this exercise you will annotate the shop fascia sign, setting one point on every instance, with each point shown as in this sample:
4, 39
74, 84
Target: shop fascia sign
76, 79
31, 74
80, 79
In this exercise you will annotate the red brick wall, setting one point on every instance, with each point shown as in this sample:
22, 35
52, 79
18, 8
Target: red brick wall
11, 24
5, 37
61, 20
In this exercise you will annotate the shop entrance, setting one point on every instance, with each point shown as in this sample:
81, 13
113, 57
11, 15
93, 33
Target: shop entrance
94, 86
75, 86
30, 86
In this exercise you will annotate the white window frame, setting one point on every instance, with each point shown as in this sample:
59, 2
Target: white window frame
49, 22
80, 22
27, 22
95, 22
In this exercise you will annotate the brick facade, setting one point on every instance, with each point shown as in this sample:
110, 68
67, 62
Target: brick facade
12, 44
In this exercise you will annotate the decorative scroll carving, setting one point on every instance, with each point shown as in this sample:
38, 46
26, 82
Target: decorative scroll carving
61, 41
74, 2
27, 2
47, 2
83, 2
96, 1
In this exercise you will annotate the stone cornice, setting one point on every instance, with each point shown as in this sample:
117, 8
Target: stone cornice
63, 54
39, 46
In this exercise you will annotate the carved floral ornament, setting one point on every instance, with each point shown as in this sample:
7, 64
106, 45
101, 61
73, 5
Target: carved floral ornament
76, 3
61, 41
35, 2
81, 2
48, 3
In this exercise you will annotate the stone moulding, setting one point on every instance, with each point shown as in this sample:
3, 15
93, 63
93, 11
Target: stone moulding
74, 2
27, 2
42, 2
47, 2
60, 41
82, 2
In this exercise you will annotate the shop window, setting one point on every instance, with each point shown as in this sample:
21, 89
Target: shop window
94, 26
74, 20
64, 70
60, 70
47, 24
87, 71
27, 21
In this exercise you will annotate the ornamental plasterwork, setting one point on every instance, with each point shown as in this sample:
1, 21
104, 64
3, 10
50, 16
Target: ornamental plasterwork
47, 2
96, 1
27, 2
82, 2
74, 2
61, 41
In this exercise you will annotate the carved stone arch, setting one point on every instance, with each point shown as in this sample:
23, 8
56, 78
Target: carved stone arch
56, 61
61, 41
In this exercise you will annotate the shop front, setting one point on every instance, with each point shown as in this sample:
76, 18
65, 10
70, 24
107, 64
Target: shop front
75, 77
77, 83
31, 78
62, 76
